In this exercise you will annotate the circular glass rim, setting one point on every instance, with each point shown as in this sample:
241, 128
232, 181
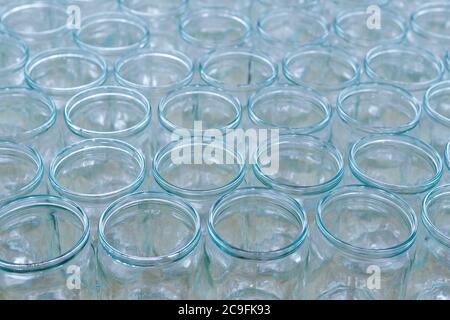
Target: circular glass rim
47, 201
441, 191
436, 89
447, 155
175, 11
13, 41
281, 199
432, 7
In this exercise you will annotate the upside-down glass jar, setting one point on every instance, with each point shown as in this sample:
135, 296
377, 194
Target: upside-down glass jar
45, 251
257, 246
149, 248
302, 166
430, 278
353, 34
363, 245
13, 57
283, 30
397, 163
29, 117
21, 172
41, 24
62, 73
96, 172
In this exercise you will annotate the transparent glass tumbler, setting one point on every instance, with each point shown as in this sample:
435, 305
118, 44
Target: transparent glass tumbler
149, 248
431, 271
45, 252
13, 57
362, 246
96, 172
257, 246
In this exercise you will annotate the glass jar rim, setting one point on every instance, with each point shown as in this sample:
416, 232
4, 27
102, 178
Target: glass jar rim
380, 195
432, 7
13, 41
176, 10
51, 54
331, 51
436, 88
314, 96
135, 199
117, 17
376, 86
432, 228
282, 199
301, 189
90, 144
198, 90
219, 54
218, 13
403, 139
48, 201
107, 91
395, 48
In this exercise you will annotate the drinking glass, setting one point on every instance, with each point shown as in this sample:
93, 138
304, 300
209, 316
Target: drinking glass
96, 172
430, 278
45, 252
362, 246
13, 57
149, 248
62, 73
257, 246
41, 24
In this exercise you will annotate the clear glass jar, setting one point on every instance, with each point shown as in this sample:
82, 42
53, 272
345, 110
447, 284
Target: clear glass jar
13, 57
29, 117
90, 7
196, 110
96, 172
397, 163
242, 6
111, 35
435, 125
149, 248
205, 30
362, 246
21, 171
353, 34
257, 246
325, 68
284, 30
431, 271
45, 252
62, 73
412, 68
41, 24
291, 109
305, 168
198, 171
373, 108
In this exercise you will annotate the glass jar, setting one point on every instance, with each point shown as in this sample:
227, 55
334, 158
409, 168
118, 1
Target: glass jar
283, 30
45, 252
198, 171
263, 7
291, 109
62, 73
29, 117
397, 163
13, 57
257, 246
325, 68
41, 24
242, 6
431, 271
412, 68
111, 35
435, 125
362, 246
302, 166
149, 248
96, 172
21, 171
354, 35
205, 30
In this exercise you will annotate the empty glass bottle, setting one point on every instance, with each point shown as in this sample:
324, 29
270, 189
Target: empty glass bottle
149, 248
45, 251
257, 246
13, 57
362, 246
